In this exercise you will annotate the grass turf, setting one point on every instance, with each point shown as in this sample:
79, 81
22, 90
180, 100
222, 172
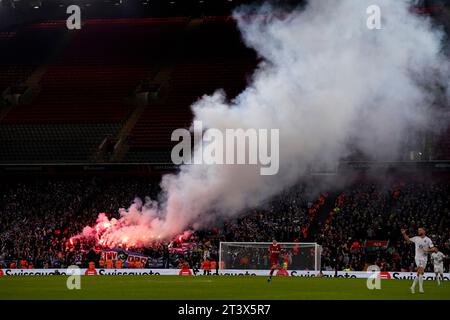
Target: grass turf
212, 287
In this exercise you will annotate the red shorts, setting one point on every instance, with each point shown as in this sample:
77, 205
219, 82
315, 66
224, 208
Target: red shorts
274, 262
185, 272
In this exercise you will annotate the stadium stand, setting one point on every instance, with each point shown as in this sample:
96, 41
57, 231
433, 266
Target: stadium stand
24, 49
102, 64
96, 75
214, 59
36, 226
88, 83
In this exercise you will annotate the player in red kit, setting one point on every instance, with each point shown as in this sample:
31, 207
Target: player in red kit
274, 251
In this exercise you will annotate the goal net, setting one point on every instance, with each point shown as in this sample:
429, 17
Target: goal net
255, 255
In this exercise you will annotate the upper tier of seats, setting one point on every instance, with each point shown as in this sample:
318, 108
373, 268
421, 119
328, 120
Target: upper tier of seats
89, 73
214, 58
22, 50
86, 82
102, 64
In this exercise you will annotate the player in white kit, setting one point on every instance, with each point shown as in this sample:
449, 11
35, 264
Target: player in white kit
437, 258
424, 246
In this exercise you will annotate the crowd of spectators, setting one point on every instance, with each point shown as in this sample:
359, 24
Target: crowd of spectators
284, 218
38, 217
370, 212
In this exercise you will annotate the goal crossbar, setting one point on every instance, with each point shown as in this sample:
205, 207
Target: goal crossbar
235, 255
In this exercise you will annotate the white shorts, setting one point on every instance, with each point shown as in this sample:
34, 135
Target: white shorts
421, 262
438, 269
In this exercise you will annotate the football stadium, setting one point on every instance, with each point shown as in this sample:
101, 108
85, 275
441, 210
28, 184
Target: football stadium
225, 150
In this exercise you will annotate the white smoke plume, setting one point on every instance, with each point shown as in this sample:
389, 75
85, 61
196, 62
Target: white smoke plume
328, 83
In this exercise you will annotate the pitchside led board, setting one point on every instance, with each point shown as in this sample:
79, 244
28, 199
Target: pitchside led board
388, 275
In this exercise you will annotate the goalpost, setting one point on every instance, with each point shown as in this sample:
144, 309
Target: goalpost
255, 255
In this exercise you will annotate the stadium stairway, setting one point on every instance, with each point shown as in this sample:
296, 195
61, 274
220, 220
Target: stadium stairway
83, 89
162, 77
33, 82
209, 56
122, 147
153, 117
321, 216
25, 53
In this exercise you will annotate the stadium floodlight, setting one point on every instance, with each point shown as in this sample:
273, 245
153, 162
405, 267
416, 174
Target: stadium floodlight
255, 255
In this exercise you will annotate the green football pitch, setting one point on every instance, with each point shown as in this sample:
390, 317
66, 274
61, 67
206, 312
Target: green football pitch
212, 287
